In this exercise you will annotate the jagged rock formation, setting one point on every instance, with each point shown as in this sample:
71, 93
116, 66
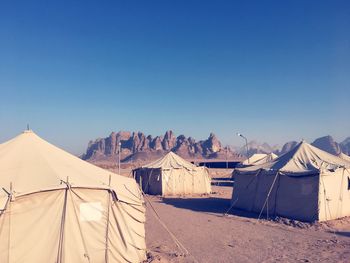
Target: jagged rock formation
287, 147
345, 146
327, 144
255, 147
137, 145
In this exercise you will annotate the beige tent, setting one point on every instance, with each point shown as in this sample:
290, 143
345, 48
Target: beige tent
344, 156
54, 207
172, 175
306, 184
259, 158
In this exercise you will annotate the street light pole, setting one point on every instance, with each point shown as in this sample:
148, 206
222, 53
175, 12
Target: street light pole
119, 144
246, 144
226, 157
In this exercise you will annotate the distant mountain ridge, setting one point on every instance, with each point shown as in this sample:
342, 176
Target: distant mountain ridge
345, 146
328, 144
325, 143
136, 145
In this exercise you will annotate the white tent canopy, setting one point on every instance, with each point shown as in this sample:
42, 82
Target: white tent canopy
81, 212
344, 157
259, 158
171, 161
305, 183
302, 159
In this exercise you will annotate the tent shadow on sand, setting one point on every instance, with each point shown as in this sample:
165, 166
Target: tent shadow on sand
214, 205
341, 233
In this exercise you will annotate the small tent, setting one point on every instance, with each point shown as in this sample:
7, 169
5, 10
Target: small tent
305, 183
259, 158
55, 207
172, 175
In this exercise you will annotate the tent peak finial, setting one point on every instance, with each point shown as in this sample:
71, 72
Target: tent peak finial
28, 130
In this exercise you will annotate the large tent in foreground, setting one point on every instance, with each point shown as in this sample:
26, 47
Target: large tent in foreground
306, 184
54, 207
172, 175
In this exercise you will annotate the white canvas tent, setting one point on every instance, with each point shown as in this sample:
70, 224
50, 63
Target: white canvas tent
344, 156
71, 210
172, 175
306, 184
259, 158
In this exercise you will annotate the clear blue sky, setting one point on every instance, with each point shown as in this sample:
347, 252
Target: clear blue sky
273, 70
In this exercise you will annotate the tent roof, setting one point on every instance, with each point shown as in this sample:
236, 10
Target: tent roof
303, 159
260, 158
344, 156
171, 161
255, 157
31, 164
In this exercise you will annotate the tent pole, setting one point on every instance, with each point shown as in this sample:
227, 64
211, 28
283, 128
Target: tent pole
107, 228
278, 185
268, 194
9, 209
63, 221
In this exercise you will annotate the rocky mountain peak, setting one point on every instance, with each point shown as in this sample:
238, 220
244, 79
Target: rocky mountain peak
327, 144
137, 142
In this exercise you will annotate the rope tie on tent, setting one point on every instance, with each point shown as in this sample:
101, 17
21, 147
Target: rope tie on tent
176, 241
268, 195
234, 202
232, 205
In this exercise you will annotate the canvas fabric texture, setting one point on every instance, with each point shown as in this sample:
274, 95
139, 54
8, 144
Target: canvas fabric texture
259, 158
81, 213
344, 157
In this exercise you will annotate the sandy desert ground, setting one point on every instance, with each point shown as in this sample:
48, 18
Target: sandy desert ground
198, 223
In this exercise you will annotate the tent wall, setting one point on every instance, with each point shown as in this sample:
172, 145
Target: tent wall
150, 180
251, 191
297, 197
334, 195
292, 197
41, 214
176, 182
265, 196
169, 182
201, 181
183, 181
244, 190
73, 227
